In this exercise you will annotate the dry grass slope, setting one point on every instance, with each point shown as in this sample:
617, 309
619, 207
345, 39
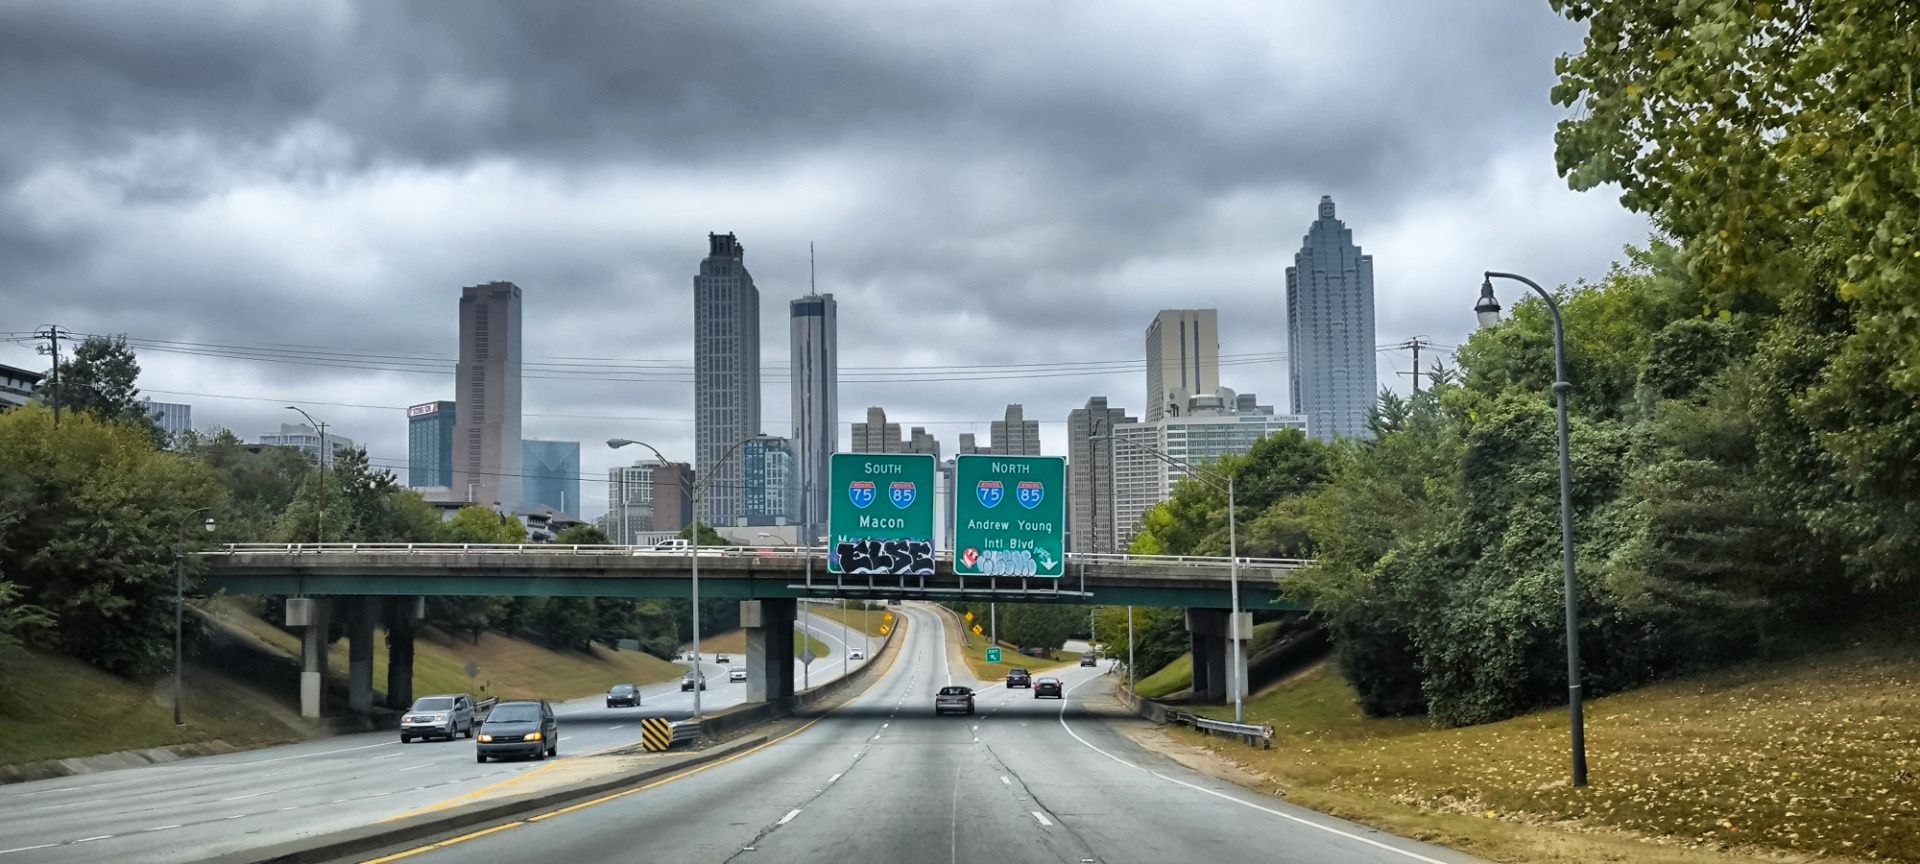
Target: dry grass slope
1814, 757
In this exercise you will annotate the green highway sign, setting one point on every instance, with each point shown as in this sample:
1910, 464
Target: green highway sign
993, 655
1010, 516
880, 513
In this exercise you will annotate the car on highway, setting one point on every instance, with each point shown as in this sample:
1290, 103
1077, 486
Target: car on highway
737, 673
856, 654
1089, 660
1048, 688
672, 544
722, 659
1019, 678
953, 699
623, 696
691, 680
447, 716
522, 728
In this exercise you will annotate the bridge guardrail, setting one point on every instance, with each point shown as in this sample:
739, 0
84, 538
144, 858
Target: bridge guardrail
784, 552
1252, 734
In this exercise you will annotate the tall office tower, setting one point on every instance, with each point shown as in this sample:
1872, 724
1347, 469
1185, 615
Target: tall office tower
1090, 474
773, 495
630, 501
1330, 355
876, 435
816, 402
726, 374
969, 446
919, 440
486, 384
551, 478
430, 445
1183, 358
672, 506
1016, 435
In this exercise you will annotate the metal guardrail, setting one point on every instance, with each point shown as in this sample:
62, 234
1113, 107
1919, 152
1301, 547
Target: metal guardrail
685, 732
485, 705
797, 553
1253, 734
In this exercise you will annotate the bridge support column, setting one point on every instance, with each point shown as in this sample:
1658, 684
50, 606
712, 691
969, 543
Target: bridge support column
310, 614
402, 612
769, 627
1208, 629
361, 612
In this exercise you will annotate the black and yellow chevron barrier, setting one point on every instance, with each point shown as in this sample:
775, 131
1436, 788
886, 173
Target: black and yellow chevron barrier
656, 733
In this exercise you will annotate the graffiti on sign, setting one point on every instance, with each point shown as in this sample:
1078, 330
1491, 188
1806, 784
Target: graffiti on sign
903, 557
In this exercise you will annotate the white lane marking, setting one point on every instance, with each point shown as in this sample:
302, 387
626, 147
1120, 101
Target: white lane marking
621, 726
883, 725
374, 759
27, 848
302, 755
421, 765
251, 795
1004, 781
238, 816
1044, 821
1225, 797
789, 817
161, 828
91, 839
835, 777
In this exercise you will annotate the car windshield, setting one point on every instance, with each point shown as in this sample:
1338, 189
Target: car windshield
954, 691
1054, 681
435, 704
622, 689
514, 714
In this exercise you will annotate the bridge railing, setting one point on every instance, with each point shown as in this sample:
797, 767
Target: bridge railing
779, 552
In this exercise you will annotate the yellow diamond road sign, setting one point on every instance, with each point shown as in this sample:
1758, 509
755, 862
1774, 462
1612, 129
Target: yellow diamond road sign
976, 630
887, 617
969, 616
884, 630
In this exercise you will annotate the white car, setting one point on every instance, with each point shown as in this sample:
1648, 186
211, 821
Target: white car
856, 654
737, 673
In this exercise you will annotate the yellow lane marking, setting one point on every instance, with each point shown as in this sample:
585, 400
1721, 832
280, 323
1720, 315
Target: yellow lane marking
445, 843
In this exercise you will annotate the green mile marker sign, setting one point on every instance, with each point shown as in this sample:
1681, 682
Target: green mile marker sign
1010, 516
880, 513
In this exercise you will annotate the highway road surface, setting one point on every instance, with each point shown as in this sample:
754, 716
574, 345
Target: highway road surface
882, 779
196, 808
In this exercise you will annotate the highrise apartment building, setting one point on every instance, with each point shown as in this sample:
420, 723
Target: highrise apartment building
645, 497
551, 478
726, 374
1015, 435
815, 349
1205, 428
1090, 487
772, 482
430, 445
1183, 358
486, 383
876, 435
1330, 355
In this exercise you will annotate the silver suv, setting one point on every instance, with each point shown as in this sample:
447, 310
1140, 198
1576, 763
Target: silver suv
448, 716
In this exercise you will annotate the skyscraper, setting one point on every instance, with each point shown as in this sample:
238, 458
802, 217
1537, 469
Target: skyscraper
630, 501
173, 418
430, 444
1183, 357
1330, 355
1205, 428
726, 374
552, 475
772, 492
876, 435
1090, 474
486, 383
1015, 435
816, 402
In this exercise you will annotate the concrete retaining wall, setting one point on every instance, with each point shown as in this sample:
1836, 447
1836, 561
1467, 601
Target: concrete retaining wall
742, 716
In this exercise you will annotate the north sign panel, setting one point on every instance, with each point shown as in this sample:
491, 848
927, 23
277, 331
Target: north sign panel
1010, 516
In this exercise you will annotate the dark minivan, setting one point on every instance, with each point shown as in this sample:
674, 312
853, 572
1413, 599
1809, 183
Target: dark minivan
518, 729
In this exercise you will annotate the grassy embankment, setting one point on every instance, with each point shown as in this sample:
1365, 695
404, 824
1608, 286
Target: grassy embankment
735, 642
975, 653
1178, 675
1812, 757
873, 620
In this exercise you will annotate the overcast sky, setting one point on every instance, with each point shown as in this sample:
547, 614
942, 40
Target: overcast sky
987, 184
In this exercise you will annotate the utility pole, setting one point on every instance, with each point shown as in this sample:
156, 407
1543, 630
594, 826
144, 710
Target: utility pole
51, 333
1415, 344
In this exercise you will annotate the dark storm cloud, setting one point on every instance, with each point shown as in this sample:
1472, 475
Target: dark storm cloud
1002, 183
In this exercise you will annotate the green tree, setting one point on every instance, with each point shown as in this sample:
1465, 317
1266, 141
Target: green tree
101, 378
708, 536
583, 535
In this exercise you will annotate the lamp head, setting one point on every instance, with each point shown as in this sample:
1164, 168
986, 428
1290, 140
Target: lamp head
617, 443
1488, 309
209, 526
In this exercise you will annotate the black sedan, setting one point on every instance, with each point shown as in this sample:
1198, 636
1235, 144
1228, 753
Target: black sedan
518, 729
692, 680
1048, 688
623, 696
1019, 678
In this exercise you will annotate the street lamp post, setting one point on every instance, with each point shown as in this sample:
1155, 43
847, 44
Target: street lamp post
320, 527
1488, 312
1235, 670
179, 601
693, 546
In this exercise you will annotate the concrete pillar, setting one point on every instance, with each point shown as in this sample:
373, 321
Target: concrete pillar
310, 614
402, 612
1209, 640
1239, 629
361, 612
769, 627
